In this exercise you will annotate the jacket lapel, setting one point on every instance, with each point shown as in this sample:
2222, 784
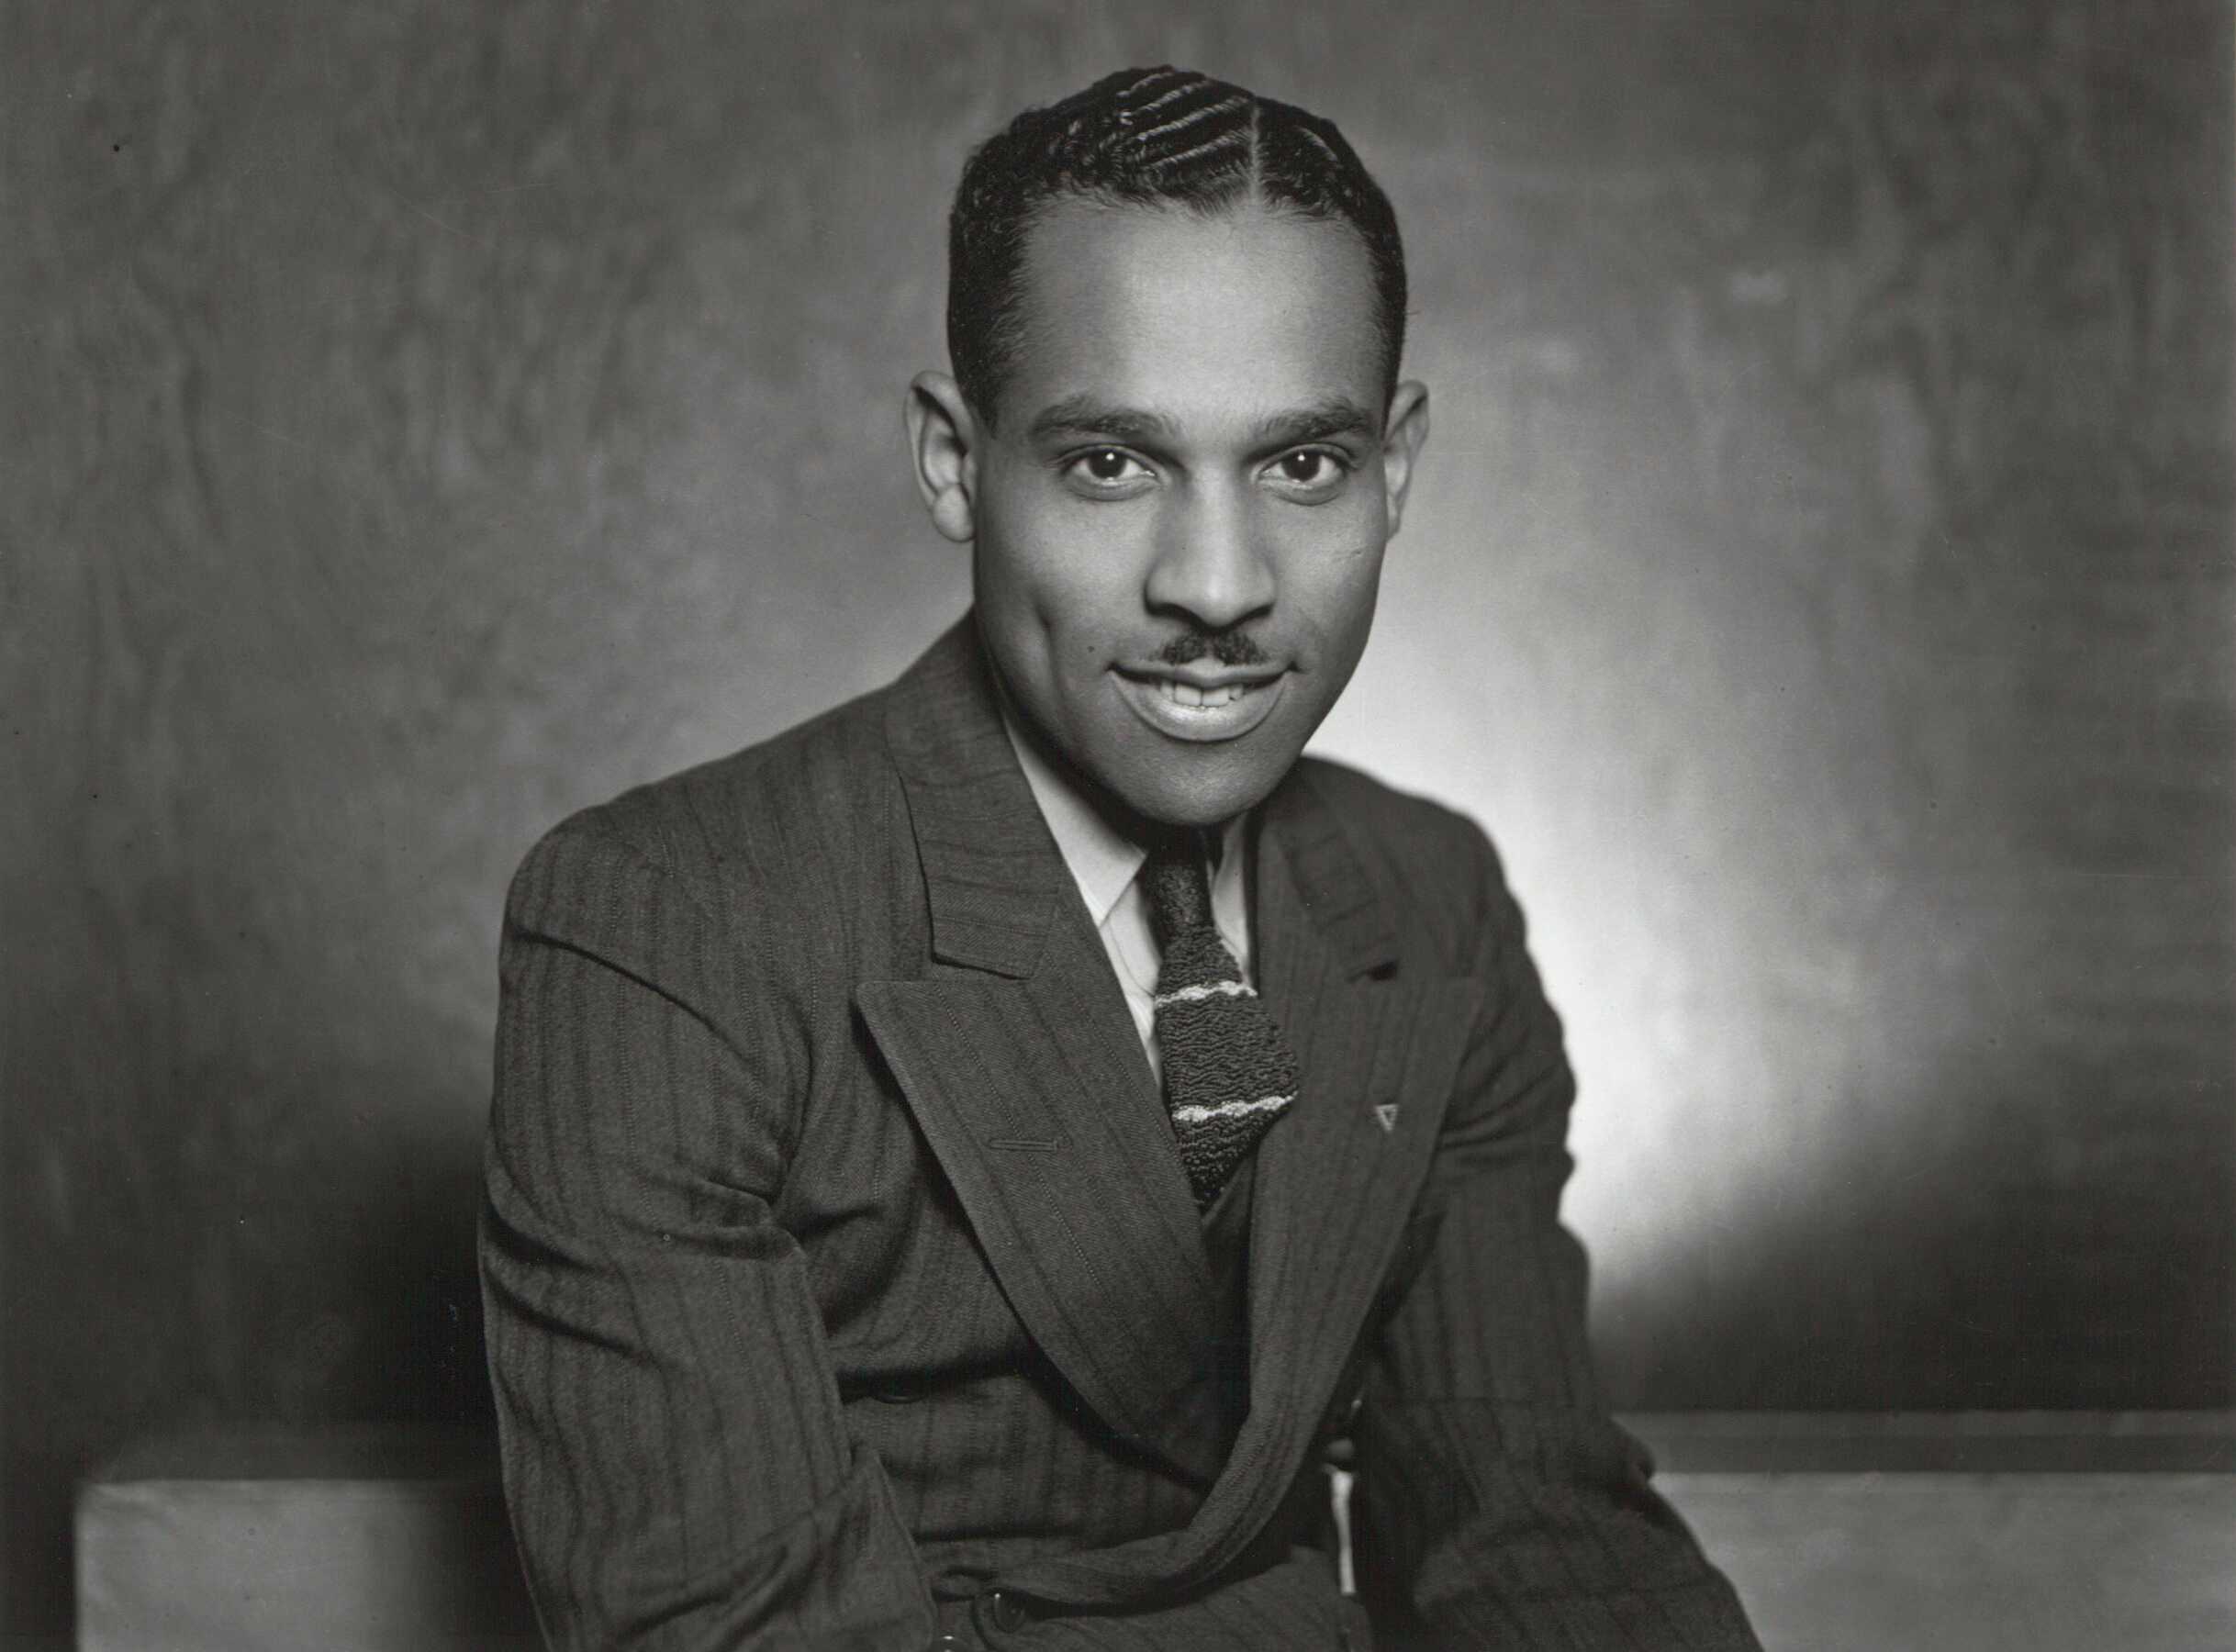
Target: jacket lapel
1333, 1186
1336, 1184
1022, 1066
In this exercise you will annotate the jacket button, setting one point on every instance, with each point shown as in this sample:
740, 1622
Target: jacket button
1006, 1611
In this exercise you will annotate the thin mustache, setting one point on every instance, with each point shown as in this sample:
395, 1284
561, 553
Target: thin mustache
1227, 647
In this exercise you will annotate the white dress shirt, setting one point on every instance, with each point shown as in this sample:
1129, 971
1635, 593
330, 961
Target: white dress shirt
1104, 863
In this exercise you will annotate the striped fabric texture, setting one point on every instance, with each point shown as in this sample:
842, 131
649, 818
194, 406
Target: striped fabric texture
845, 1287
1228, 1072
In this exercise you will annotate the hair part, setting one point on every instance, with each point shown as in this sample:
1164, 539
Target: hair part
1160, 137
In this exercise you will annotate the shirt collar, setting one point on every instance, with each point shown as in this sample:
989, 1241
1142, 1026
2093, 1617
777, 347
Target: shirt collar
1102, 859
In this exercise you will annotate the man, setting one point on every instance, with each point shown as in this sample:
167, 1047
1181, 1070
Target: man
960, 1170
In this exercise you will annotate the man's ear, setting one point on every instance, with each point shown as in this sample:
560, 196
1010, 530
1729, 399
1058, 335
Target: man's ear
944, 442
1402, 435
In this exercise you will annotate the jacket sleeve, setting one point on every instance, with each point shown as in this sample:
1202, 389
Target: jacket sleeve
677, 1466
1496, 1503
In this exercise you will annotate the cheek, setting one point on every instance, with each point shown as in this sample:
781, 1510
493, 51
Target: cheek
1333, 587
1081, 613
1077, 578
1020, 567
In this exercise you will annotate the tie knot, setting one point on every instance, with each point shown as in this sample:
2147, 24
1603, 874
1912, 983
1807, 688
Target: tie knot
1177, 885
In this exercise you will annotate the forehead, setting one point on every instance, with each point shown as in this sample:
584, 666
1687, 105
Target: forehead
1212, 321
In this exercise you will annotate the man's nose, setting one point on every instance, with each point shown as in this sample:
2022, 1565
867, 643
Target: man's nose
1211, 566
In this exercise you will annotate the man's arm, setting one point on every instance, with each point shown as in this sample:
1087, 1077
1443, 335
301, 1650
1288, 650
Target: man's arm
1496, 1501
678, 1468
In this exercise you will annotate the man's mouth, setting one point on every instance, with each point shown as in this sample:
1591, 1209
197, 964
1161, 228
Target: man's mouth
1219, 694
1221, 704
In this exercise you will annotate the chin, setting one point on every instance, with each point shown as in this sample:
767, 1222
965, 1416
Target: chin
1205, 799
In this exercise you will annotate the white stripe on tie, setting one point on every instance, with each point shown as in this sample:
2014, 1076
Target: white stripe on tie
1196, 995
1192, 1114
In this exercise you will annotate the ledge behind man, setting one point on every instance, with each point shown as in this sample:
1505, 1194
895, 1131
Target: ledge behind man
961, 1171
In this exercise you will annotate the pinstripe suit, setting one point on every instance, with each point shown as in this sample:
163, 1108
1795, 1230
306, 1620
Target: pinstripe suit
844, 1287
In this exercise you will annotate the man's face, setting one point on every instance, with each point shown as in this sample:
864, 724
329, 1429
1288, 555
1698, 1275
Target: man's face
1178, 524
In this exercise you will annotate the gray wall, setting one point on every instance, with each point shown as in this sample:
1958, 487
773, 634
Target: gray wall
421, 420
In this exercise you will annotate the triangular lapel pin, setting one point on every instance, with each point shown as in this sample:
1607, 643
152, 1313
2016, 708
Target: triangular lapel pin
1385, 1115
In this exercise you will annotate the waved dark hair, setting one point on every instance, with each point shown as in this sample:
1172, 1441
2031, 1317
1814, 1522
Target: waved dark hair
1148, 138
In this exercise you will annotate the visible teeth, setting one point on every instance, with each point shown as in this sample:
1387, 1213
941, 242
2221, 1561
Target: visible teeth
1188, 694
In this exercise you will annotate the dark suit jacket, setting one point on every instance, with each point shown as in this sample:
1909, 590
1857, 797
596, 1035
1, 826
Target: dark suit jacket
840, 1270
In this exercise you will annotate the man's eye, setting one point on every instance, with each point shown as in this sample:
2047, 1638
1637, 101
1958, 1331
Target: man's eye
1309, 470
1107, 468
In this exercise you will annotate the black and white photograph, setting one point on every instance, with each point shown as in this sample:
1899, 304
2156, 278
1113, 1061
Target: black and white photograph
1017, 824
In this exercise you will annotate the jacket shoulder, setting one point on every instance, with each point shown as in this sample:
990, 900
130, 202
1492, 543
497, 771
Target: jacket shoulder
755, 816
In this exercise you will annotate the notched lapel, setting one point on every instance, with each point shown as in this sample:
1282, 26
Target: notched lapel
1379, 1054
1022, 1066
1042, 1123
1338, 1178
1333, 1189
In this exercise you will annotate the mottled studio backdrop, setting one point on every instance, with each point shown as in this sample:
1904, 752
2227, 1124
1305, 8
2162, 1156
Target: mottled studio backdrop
417, 421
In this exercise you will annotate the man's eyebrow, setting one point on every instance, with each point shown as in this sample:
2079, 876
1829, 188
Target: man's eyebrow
1338, 416
1080, 415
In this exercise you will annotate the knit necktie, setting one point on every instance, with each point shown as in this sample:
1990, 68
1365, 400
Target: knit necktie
1228, 1071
